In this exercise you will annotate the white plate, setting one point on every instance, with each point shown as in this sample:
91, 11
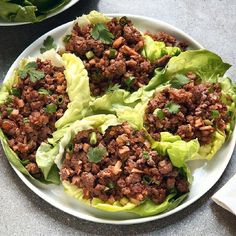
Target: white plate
68, 5
205, 174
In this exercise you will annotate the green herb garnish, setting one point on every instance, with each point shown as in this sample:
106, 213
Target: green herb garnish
111, 185
215, 114
26, 120
112, 88
146, 155
15, 92
67, 38
112, 53
172, 107
89, 55
31, 71
101, 32
50, 108
96, 154
179, 81
9, 99
159, 113
129, 81
48, 44
44, 91
9, 110
93, 138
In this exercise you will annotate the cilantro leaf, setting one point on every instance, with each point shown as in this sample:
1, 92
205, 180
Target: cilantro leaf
51, 108
172, 107
100, 32
31, 70
96, 154
159, 113
112, 88
146, 155
48, 44
179, 81
215, 114
129, 81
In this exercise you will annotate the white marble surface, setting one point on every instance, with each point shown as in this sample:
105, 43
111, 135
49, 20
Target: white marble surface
213, 24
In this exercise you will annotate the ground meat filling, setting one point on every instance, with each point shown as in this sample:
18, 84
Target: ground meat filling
129, 167
117, 63
200, 111
28, 116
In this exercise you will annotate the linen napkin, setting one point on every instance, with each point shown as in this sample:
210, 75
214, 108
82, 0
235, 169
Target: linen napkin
226, 196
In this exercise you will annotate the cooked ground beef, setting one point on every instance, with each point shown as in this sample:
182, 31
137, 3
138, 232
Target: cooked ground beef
128, 167
117, 63
28, 116
200, 111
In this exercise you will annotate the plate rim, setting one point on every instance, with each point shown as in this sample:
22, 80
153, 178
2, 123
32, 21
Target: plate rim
65, 7
59, 206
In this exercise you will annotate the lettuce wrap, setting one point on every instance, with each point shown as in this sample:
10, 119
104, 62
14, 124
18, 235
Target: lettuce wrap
178, 151
207, 65
115, 96
79, 95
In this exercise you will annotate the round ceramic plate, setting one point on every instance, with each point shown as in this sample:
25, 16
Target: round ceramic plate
70, 4
203, 172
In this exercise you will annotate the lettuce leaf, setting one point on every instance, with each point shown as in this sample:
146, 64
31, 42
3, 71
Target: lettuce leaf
45, 159
147, 208
229, 98
154, 50
77, 89
207, 65
93, 17
208, 151
179, 152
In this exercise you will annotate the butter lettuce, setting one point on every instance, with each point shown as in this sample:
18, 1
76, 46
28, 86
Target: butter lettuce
77, 90
154, 50
147, 208
93, 17
179, 152
229, 98
207, 65
79, 94
208, 151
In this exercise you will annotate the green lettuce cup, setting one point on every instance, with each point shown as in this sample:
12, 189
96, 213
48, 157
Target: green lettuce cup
43, 95
113, 166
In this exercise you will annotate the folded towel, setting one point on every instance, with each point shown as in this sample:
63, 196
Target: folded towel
226, 196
